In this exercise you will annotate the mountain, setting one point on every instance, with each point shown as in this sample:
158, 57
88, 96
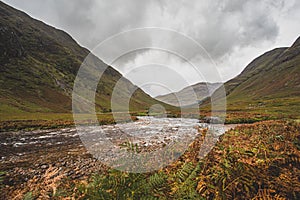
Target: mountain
200, 91
38, 66
269, 84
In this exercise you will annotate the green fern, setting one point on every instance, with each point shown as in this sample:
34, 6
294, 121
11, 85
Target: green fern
1, 177
28, 196
186, 182
184, 172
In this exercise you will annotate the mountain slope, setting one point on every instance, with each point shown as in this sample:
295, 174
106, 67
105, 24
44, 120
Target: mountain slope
201, 90
270, 83
38, 66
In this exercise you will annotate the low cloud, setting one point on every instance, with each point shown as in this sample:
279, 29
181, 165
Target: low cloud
233, 32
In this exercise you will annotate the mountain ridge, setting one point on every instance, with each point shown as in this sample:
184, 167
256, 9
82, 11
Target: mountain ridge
268, 84
39, 64
199, 90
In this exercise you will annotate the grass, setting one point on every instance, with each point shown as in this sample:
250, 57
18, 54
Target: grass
19, 120
250, 111
30, 121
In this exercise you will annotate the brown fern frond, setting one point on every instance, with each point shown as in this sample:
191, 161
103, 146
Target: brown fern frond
266, 194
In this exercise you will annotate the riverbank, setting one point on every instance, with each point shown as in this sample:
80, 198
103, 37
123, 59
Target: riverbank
42, 121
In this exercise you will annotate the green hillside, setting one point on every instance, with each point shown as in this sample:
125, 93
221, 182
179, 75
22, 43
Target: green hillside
270, 84
38, 66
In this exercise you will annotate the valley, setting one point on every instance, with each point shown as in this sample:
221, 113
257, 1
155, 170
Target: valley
251, 150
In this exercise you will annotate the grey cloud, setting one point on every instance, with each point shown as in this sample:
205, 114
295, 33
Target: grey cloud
226, 24
225, 28
75, 14
88, 21
235, 25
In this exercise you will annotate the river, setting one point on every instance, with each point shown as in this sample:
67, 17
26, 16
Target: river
28, 153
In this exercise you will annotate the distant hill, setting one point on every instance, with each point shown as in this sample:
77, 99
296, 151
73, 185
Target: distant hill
38, 66
199, 90
269, 84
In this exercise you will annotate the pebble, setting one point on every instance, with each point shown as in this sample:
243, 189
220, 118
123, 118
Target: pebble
44, 166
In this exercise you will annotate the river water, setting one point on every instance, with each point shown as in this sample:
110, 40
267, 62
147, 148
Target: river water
103, 142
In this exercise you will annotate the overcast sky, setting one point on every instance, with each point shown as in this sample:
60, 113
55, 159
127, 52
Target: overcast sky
233, 32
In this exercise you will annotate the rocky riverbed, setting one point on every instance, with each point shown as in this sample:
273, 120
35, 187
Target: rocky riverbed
28, 154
